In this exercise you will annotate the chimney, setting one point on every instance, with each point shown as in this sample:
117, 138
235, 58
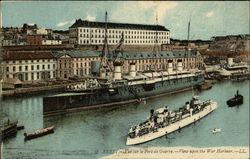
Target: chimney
179, 65
170, 66
117, 72
132, 71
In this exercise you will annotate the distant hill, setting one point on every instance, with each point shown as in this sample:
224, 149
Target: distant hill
230, 43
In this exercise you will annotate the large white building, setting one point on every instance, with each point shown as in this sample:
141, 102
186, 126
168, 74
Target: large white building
84, 32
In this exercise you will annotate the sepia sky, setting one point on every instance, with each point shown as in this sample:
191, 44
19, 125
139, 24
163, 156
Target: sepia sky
208, 19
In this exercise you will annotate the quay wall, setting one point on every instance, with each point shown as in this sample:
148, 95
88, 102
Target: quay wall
33, 90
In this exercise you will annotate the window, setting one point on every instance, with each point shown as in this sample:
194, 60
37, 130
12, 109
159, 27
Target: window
7, 69
32, 76
54, 66
20, 68
43, 67
48, 66
14, 68
37, 67
37, 75
26, 68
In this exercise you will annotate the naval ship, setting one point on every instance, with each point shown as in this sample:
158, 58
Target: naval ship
122, 89
162, 121
112, 87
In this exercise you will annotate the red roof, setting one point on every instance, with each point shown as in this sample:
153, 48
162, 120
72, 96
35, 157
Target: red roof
27, 55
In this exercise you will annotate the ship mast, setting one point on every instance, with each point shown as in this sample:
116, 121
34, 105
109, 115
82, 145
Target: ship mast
187, 50
119, 49
156, 46
105, 50
1, 81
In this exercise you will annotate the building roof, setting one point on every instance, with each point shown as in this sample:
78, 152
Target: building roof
85, 23
162, 54
76, 53
27, 55
128, 55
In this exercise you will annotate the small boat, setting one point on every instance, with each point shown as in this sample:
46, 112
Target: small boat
39, 133
9, 129
216, 130
20, 127
236, 100
205, 86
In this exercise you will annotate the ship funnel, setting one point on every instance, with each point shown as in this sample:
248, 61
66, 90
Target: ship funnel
95, 67
132, 71
179, 65
117, 72
230, 61
170, 66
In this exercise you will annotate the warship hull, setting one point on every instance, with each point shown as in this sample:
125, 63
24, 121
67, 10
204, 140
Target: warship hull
97, 98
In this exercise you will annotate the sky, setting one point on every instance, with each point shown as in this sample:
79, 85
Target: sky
208, 18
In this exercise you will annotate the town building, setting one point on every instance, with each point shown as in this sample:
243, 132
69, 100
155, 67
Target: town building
74, 63
63, 35
34, 39
78, 63
84, 32
14, 42
29, 66
30, 34
33, 66
146, 61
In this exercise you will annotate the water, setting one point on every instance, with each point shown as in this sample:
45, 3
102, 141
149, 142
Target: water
96, 133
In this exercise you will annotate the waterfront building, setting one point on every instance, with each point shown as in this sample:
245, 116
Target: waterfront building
146, 61
84, 32
74, 63
29, 66
78, 63
37, 66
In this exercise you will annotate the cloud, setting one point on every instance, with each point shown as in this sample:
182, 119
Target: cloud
61, 24
209, 14
90, 18
160, 7
143, 12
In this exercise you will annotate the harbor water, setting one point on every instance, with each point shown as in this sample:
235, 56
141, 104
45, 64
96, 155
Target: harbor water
96, 133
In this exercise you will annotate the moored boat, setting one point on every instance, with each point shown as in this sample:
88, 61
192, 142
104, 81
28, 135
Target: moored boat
162, 121
216, 130
9, 129
236, 100
39, 133
205, 86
